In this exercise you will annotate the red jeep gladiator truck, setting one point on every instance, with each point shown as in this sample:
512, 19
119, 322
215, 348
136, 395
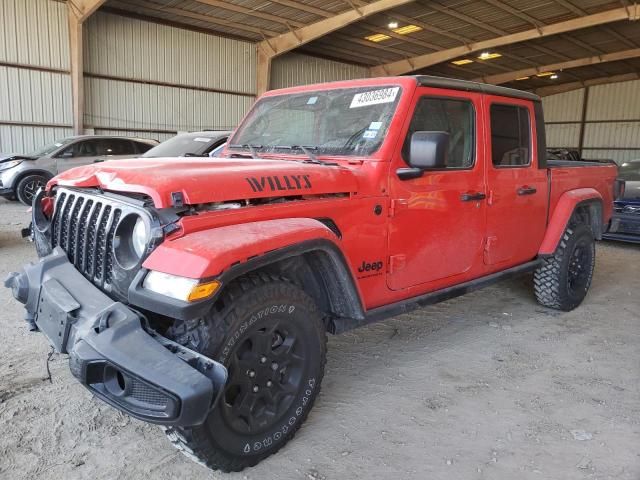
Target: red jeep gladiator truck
197, 294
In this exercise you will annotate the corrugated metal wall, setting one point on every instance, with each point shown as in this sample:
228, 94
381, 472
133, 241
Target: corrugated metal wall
35, 88
151, 78
292, 69
611, 120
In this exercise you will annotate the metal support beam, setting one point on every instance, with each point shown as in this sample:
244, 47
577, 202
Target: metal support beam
272, 47
77, 12
422, 61
570, 86
579, 62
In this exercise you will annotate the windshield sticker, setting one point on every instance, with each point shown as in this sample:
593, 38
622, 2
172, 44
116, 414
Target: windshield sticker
312, 101
202, 139
375, 97
375, 126
370, 134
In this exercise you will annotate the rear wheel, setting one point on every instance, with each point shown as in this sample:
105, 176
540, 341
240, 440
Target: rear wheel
28, 187
270, 336
564, 279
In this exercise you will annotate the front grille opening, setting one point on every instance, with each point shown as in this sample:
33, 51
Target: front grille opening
84, 228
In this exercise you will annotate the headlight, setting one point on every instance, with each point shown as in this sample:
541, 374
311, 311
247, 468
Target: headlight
10, 164
140, 237
180, 288
130, 243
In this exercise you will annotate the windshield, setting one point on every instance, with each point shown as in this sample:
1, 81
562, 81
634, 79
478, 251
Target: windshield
52, 147
630, 171
186, 145
348, 121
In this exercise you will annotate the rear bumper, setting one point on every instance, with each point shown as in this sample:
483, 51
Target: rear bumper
110, 352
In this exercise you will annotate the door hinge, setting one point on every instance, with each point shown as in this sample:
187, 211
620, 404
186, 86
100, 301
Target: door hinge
398, 204
397, 262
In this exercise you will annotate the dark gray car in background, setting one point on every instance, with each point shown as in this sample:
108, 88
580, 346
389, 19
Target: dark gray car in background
207, 143
22, 175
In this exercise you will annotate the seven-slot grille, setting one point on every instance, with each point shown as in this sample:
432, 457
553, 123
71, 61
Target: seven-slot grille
84, 227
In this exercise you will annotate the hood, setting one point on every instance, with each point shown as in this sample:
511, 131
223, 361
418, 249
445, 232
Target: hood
211, 180
7, 157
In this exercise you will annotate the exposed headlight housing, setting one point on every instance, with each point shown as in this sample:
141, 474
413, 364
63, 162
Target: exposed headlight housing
131, 240
180, 288
140, 237
9, 164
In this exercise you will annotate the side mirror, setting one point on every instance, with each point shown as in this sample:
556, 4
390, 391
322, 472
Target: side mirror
66, 154
427, 150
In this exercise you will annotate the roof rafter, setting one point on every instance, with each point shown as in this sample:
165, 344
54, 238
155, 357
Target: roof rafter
296, 38
578, 62
567, 87
426, 60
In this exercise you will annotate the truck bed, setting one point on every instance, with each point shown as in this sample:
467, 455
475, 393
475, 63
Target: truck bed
570, 175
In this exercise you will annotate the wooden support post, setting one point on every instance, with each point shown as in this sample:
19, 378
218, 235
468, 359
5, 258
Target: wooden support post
77, 12
263, 71
583, 120
77, 80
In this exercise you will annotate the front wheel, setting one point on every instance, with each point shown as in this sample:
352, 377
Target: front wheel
271, 337
28, 187
564, 279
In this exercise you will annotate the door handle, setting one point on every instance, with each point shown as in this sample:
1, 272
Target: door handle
472, 197
98, 160
527, 190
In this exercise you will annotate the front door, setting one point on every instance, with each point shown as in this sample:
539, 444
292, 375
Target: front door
517, 187
437, 222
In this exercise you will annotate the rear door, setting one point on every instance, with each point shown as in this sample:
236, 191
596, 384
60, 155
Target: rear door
516, 186
437, 225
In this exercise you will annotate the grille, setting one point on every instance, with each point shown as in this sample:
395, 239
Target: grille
148, 395
84, 228
632, 227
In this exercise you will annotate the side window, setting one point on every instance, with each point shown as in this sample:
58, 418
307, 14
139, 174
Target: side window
510, 136
86, 148
116, 146
446, 115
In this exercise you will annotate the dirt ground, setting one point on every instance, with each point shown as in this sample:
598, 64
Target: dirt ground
487, 386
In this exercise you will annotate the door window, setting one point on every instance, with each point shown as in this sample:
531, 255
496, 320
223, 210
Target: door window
510, 136
456, 117
115, 146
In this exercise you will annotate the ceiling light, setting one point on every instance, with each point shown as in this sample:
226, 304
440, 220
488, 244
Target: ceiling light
545, 74
407, 29
393, 25
523, 78
489, 55
378, 37
462, 61
554, 77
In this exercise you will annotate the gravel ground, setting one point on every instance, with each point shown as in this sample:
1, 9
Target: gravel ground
487, 386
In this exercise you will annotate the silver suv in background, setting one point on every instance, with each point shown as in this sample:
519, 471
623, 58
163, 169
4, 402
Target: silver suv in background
22, 175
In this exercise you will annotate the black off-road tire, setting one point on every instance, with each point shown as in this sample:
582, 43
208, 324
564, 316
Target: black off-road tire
563, 281
246, 308
28, 186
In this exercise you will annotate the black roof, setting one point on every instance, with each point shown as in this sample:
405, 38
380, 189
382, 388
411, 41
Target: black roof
467, 86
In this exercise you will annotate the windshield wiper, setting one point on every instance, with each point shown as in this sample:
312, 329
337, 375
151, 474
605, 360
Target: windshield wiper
251, 148
308, 151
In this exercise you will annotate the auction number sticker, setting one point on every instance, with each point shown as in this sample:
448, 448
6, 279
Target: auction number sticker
374, 97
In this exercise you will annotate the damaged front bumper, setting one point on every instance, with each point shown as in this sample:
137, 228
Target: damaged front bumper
111, 352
